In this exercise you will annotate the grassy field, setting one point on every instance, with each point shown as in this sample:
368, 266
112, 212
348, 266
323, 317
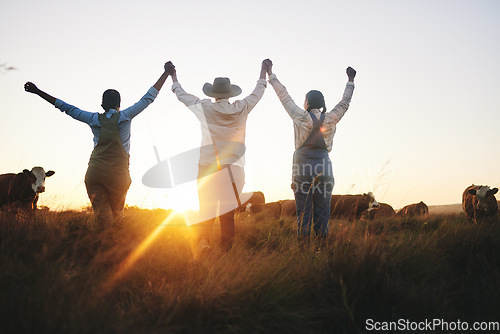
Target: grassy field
62, 274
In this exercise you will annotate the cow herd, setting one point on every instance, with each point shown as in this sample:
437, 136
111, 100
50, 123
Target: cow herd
349, 207
478, 203
21, 191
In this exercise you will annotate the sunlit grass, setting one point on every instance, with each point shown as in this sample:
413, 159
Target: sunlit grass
61, 273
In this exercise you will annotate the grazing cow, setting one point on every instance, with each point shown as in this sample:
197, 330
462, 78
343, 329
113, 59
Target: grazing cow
288, 208
341, 206
479, 202
247, 199
272, 209
21, 190
411, 210
351, 207
382, 211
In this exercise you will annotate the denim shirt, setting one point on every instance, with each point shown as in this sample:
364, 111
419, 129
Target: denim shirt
124, 122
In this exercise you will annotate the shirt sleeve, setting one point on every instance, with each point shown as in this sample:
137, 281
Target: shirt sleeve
89, 118
249, 102
188, 99
293, 110
139, 106
340, 109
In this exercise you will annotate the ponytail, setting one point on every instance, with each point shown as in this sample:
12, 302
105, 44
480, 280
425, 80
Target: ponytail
316, 100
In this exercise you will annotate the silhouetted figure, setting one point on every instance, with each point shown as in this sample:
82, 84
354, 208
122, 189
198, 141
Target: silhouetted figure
108, 179
220, 175
312, 174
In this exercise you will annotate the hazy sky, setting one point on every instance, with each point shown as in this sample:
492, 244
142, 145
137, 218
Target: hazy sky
423, 123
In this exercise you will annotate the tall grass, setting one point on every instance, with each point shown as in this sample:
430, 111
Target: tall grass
62, 273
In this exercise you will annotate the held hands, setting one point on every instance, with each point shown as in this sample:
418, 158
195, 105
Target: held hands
351, 73
169, 68
267, 65
31, 88
266, 68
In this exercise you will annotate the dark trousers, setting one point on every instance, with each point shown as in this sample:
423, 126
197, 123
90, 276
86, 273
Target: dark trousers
217, 199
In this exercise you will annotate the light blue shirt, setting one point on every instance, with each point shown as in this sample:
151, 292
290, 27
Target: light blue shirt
124, 121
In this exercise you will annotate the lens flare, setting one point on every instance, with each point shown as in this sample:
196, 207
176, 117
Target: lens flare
132, 258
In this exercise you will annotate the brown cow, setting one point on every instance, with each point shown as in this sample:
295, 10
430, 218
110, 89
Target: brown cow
21, 190
351, 207
411, 210
479, 202
384, 210
256, 197
272, 209
341, 206
289, 208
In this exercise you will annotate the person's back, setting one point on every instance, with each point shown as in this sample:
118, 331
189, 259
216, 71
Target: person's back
108, 179
221, 175
312, 176
222, 123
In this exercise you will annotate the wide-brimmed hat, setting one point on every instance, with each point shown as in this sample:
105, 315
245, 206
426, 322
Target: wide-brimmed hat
221, 88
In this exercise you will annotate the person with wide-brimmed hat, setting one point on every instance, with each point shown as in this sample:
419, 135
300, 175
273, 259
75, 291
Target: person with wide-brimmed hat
220, 174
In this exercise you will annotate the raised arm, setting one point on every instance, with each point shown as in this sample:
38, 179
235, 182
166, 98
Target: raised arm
174, 74
340, 109
293, 110
169, 68
189, 100
134, 110
249, 102
269, 67
76, 113
32, 88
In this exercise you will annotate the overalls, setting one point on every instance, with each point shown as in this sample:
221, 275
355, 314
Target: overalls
313, 182
107, 178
